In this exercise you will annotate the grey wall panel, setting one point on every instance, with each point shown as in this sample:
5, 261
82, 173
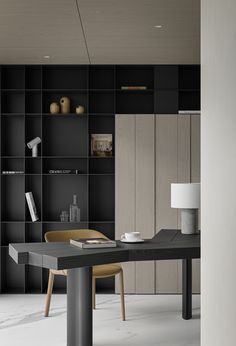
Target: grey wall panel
125, 188
145, 195
166, 173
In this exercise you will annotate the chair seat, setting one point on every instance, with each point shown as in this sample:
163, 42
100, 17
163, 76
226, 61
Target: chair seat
102, 270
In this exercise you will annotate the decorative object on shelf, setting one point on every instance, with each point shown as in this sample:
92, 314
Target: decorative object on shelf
65, 105
74, 210
31, 205
101, 144
79, 109
187, 198
134, 87
64, 216
33, 144
54, 108
63, 171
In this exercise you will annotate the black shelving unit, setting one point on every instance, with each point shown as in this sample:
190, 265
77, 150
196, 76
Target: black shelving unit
26, 94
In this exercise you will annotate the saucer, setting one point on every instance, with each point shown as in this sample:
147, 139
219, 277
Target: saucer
131, 241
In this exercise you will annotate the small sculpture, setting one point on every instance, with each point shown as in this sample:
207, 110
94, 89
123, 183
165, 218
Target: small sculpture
33, 144
79, 109
54, 108
65, 104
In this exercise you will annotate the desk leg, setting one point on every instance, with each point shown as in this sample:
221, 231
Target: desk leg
79, 307
187, 289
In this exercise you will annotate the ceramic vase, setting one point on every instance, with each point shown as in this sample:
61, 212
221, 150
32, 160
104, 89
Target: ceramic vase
54, 108
80, 109
65, 104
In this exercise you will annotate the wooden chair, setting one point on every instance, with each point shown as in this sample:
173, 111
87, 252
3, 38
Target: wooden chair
99, 271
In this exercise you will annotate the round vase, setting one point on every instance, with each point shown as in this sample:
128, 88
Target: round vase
54, 108
79, 109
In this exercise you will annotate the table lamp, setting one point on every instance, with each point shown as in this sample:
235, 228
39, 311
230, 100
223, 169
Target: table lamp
187, 198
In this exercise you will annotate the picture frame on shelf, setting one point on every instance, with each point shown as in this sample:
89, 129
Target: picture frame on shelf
101, 145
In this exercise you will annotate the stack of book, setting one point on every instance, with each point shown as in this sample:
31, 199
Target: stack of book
63, 171
134, 87
93, 243
13, 172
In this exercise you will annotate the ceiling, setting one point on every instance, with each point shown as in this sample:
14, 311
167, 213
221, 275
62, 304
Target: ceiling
99, 31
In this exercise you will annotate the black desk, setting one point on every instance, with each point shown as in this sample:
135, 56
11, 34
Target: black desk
167, 244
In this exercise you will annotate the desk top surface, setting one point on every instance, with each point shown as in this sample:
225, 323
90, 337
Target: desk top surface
167, 244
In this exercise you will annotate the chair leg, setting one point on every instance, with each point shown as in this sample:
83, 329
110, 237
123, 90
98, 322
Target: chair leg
94, 292
49, 293
122, 297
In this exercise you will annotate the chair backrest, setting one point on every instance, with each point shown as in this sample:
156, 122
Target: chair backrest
64, 236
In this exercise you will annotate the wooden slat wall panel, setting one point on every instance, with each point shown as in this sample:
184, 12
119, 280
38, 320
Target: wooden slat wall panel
145, 195
166, 173
151, 152
125, 188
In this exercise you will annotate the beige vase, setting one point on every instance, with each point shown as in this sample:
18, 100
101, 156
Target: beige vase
79, 109
65, 104
54, 108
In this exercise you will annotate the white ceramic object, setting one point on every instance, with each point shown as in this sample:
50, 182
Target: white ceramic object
131, 237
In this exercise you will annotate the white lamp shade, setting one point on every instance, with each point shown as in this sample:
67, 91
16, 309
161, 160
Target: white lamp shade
185, 196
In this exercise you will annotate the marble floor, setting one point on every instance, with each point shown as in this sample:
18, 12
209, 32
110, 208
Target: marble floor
151, 321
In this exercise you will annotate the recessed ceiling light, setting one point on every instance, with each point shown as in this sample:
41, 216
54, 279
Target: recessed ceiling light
158, 26
46, 56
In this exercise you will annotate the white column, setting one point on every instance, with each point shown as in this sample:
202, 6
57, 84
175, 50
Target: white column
218, 173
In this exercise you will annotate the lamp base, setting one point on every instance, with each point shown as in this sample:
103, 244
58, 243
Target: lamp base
35, 151
189, 221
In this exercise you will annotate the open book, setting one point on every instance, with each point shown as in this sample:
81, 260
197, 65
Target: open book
93, 243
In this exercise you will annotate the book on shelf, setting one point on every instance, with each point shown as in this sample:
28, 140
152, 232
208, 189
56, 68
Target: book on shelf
134, 87
93, 243
13, 172
63, 171
31, 205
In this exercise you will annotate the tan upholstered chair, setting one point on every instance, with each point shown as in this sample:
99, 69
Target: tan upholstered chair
99, 271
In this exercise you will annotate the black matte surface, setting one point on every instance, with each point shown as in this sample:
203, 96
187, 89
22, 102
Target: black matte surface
26, 94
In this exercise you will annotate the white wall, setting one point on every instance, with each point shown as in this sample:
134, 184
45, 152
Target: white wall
218, 128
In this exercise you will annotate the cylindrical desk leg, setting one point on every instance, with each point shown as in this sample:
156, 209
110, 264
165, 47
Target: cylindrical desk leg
79, 307
187, 289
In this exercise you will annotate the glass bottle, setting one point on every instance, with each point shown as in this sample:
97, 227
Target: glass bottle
74, 210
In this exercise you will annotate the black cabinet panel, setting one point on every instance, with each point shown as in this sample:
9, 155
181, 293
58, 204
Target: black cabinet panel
134, 102
134, 75
65, 77
189, 77
65, 136
26, 94
166, 77
102, 77
101, 198
13, 77
166, 101
13, 198
189, 100
58, 194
